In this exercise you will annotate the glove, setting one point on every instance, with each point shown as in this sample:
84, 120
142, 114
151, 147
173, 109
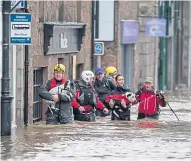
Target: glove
81, 109
111, 103
161, 94
130, 96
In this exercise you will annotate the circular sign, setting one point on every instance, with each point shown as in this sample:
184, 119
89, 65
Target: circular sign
98, 48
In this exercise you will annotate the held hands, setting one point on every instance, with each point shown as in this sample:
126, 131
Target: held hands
111, 103
81, 109
123, 104
55, 98
161, 95
105, 111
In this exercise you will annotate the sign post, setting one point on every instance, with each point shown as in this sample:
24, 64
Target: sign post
20, 33
99, 51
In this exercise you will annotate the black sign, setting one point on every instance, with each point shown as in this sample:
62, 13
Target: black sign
63, 38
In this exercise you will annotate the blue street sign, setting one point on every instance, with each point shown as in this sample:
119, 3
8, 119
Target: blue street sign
20, 5
98, 48
20, 28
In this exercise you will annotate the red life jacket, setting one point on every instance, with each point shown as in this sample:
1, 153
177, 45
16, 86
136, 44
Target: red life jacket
53, 82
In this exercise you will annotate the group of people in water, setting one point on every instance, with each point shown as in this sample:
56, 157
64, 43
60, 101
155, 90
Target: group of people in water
101, 94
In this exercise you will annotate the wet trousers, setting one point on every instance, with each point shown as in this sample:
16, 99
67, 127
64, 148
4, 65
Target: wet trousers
119, 114
142, 116
59, 117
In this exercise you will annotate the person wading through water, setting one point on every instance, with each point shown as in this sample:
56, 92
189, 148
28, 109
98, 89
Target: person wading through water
121, 100
57, 90
86, 100
103, 88
149, 101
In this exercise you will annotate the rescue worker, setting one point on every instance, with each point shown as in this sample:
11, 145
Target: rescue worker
111, 72
122, 100
57, 90
86, 100
103, 87
149, 101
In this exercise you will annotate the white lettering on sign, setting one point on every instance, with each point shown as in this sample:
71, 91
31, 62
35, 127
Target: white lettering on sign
63, 41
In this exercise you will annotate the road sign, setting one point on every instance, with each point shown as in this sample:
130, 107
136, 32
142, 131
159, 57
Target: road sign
20, 5
20, 28
156, 27
99, 48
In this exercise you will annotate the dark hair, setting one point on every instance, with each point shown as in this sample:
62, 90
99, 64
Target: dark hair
118, 75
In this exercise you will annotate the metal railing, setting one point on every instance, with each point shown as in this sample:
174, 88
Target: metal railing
37, 101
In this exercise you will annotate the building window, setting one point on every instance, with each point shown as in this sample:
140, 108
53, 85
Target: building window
37, 102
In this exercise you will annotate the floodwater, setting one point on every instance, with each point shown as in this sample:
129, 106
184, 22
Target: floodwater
166, 139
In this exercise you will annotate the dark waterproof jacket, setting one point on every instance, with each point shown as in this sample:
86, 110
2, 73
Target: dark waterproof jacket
104, 88
85, 96
121, 90
118, 111
64, 105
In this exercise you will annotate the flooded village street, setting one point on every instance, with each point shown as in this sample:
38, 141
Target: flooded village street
166, 139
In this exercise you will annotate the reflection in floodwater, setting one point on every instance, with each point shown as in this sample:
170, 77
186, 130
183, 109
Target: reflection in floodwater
105, 139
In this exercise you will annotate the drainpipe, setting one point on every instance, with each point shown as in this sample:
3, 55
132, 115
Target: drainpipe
172, 47
161, 50
181, 40
92, 37
167, 15
189, 53
175, 41
26, 78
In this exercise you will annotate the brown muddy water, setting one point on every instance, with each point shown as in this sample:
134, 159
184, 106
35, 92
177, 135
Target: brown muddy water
166, 139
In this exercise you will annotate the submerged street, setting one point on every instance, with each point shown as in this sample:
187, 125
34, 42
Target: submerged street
166, 139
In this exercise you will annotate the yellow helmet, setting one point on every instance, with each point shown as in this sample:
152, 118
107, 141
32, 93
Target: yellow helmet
59, 67
111, 71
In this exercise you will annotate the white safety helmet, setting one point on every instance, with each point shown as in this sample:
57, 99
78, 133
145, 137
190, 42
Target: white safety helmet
87, 75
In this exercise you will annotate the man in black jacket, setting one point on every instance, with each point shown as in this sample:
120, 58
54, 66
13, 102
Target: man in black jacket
103, 87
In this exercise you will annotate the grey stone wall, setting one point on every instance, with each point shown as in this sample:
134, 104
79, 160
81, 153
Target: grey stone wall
43, 11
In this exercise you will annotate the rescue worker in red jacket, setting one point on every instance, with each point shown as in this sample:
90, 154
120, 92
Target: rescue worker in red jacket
149, 101
58, 96
86, 100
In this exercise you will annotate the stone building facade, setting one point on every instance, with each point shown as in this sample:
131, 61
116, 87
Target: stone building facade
79, 11
145, 50
39, 64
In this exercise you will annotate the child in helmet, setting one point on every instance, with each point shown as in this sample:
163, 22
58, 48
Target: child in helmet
58, 96
86, 100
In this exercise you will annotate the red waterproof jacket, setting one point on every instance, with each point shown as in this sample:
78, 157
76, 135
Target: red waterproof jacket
149, 102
